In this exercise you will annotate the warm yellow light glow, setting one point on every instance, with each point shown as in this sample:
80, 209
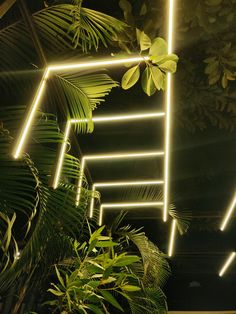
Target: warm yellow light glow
170, 25
59, 67
227, 264
92, 203
126, 183
126, 155
61, 156
29, 119
94, 64
172, 238
122, 117
117, 184
228, 214
112, 156
126, 205
81, 174
168, 113
104, 119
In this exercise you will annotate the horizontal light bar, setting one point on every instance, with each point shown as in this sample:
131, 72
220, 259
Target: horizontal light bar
127, 205
117, 184
126, 183
227, 264
172, 238
120, 205
91, 64
121, 117
228, 214
127, 155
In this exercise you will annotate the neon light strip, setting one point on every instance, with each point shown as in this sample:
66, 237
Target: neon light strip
110, 156
61, 155
128, 155
227, 263
168, 113
228, 214
128, 205
91, 64
122, 118
30, 116
38, 96
172, 238
117, 184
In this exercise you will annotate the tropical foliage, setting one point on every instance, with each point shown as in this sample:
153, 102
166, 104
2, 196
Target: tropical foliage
102, 276
39, 224
206, 76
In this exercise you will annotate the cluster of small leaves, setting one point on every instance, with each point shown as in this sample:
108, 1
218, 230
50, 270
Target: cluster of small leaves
221, 65
159, 64
96, 274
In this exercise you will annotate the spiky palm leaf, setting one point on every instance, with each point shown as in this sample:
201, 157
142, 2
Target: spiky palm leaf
54, 209
60, 27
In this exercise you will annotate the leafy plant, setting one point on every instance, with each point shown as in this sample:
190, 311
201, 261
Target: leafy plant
159, 63
102, 275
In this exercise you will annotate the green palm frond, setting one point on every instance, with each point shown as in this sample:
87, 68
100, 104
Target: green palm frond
77, 94
183, 219
54, 209
60, 28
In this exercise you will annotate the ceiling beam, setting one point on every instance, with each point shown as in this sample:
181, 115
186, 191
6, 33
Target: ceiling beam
29, 22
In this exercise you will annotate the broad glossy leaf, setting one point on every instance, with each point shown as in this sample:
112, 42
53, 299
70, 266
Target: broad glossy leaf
158, 47
130, 77
147, 82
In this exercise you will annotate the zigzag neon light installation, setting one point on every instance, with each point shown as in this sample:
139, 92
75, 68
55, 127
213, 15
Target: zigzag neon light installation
42, 86
118, 184
102, 119
127, 155
228, 214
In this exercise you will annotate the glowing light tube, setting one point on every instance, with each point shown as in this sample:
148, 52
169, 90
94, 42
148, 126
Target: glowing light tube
80, 182
139, 116
111, 156
127, 205
126, 155
168, 113
228, 214
117, 184
103, 119
61, 156
59, 67
172, 238
94, 64
30, 116
227, 264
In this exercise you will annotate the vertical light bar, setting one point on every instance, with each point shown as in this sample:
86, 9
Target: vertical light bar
28, 121
168, 113
92, 202
227, 264
172, 238
228, 214
100, 216
80, 181
61, 155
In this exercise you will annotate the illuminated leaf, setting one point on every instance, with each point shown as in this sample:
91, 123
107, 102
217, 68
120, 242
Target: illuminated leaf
130, 77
